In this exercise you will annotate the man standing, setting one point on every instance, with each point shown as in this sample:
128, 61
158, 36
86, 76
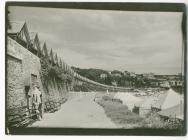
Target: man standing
37, 101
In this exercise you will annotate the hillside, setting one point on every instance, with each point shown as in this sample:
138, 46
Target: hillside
94, 74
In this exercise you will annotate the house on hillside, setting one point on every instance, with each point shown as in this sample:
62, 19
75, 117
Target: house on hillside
148, 75
116, 73
139, 76
174, 77
132, 74
126, 73
164, 84
176, 83
103, 75
114, 83
155, 83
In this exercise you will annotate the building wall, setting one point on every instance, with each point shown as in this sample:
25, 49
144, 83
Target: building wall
15, 94
20, 65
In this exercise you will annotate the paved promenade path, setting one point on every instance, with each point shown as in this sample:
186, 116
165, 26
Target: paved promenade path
79, 112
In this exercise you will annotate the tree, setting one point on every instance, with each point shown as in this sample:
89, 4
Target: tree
108, 80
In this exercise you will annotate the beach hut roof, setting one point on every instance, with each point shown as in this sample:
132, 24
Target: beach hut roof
168, 99
128, 99
173, 112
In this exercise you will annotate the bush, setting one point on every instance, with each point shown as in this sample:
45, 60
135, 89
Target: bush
107, 98
117, 100
49, 71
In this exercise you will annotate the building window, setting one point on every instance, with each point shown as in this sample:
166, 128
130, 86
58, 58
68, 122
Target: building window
34, 79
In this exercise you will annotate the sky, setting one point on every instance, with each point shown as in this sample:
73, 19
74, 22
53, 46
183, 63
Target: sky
139, 42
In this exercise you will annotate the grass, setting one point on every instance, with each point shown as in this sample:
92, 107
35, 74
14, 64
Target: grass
119, 113
123, 117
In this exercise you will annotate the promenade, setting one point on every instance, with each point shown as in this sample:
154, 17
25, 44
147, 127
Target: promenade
79, 112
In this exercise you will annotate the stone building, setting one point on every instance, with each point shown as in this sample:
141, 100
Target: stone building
23, 70
22, 66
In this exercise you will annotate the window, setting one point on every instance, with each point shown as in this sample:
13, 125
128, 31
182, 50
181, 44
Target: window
33, 79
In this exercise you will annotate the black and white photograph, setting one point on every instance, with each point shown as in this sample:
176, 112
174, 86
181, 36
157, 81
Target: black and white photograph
106, 67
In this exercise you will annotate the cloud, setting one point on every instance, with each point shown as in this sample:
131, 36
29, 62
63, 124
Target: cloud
136, 41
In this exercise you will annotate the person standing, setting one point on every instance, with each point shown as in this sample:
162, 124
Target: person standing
37, 101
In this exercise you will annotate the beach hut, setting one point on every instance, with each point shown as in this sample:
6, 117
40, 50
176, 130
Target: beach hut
175, 112
167, 100
128, 99
144, 107
173, 115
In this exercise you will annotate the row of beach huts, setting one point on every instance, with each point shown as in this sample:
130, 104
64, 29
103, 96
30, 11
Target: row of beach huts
168, 104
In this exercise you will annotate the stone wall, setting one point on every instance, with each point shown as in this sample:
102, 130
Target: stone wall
56, 91
56, 94
21, 65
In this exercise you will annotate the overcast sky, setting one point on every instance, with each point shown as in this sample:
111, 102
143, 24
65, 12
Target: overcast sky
122, 40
